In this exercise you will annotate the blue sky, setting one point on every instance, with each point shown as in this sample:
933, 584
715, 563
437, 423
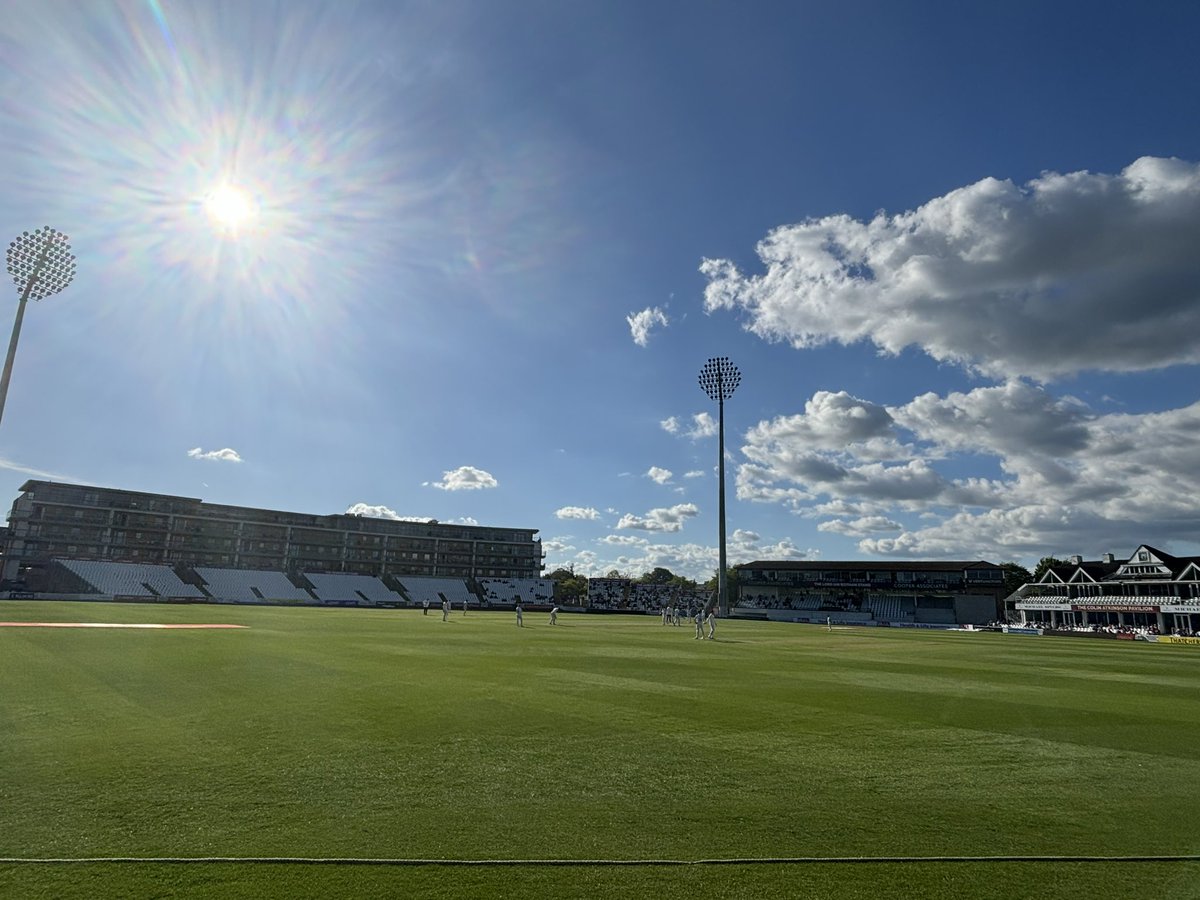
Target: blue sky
951, 247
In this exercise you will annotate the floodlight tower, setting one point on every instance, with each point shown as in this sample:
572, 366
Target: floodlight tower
40, 264
719, 378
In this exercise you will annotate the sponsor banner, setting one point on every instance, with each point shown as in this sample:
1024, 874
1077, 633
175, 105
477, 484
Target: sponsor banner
1016, 629
935, 626
1098, 607
1172, 639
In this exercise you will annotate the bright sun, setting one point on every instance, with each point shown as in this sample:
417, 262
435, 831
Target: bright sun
230, 208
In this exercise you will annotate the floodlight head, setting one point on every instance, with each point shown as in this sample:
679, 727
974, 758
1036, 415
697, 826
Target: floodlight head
719, 378
41, 263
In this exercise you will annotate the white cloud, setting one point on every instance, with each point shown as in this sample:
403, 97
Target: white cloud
696, 561
624, 540
703, 426
694, 473
658, 475
662, 519
642, 323
465, 478
226, 455
557, 545
746, 546
861, 527
465, 520
376, 511
1069, 273
576, 512
831, 421
1052, 475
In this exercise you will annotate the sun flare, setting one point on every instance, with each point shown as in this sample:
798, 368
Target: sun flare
230, 208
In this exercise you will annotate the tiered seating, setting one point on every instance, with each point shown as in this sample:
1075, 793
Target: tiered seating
421, 588
118, 579
339, 588
651, 596
890, 609
242, 586
607, 593
509, 590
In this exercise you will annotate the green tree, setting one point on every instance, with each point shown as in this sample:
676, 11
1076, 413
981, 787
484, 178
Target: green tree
731, 583
1045, 563
658, 576
569, 587
1015, 575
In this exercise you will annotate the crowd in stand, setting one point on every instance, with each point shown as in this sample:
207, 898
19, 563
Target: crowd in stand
513, 590
1096, 628
625, 594
792, 601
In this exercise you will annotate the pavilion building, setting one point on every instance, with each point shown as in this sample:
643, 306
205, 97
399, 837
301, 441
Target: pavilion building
1149, 590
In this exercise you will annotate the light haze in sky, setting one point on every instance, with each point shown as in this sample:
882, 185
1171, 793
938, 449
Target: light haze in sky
465, 261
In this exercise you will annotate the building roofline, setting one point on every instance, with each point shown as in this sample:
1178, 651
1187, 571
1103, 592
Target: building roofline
867, 565
33, 483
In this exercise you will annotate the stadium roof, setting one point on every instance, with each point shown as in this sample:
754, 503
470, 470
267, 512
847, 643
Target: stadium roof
914, 565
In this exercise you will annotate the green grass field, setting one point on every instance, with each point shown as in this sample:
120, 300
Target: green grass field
388, 735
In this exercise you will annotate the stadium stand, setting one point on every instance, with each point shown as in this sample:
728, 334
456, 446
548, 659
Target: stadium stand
772, 601
607, 593
365, 590
651, 596
621, 593
420, 589
246, 586
880, 608
117, 579
509, 590
890, 609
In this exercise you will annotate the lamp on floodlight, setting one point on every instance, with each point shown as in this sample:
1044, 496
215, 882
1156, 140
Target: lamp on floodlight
40, 264
719, 378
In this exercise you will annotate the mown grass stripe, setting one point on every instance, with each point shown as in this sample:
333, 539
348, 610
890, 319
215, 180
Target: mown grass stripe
742, 861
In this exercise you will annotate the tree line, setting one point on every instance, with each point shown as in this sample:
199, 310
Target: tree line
570, 587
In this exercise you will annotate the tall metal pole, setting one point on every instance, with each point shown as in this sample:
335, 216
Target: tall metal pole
719, 378
722, 586
16, 332
41, 264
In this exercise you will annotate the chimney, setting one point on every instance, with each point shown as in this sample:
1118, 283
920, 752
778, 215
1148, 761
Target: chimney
1107, 558
1075, 560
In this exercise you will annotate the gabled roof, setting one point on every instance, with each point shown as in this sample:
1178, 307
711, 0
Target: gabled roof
1155, 554
1176, 565
1098, 570
1088, 570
